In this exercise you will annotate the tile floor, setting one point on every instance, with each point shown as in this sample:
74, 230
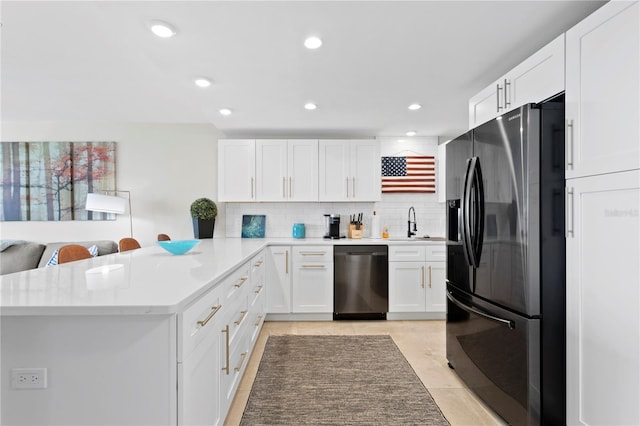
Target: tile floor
421, 342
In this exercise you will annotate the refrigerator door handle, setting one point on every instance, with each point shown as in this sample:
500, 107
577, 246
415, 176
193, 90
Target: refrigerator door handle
478, 225
473, 212
508, 323
466, 210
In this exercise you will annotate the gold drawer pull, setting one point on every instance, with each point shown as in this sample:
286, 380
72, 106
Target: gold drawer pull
244, 314
309, 253
258, 289
226, 331
214, 310
314, 266
240, 282
422, 276
429, 276
258, 263
259, 320
243, 355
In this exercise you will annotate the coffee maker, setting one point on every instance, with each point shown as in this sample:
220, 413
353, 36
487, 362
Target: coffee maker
332, 226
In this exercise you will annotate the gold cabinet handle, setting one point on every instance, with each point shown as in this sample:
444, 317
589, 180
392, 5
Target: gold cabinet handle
258, 321
244, 314
243, 356
286, 261
214, 310
252, 188
314, 266
290, 188
429, 276
312, 253
226, 331
422, 276
258, 264
241, 281
258, 289
284, 193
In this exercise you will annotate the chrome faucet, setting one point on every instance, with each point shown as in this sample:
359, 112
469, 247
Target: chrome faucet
411, 233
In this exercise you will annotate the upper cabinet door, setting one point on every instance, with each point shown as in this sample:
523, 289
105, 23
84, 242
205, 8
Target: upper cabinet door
602, 92
272, 179
537, 78
365, 170
485, 105
302, 176
334, 170
236, 170
349, 170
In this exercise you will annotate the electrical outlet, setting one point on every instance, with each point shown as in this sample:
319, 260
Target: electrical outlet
28, 378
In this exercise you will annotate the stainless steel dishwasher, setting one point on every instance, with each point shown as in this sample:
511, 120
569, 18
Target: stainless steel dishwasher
360, 282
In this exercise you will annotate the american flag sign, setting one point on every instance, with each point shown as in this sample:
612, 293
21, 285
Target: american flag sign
410, 174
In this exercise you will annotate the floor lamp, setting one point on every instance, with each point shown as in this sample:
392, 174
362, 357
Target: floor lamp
110, 204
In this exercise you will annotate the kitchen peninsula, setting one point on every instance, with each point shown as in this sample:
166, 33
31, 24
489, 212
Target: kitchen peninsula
141, 337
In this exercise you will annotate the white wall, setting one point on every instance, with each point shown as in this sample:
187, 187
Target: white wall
165, 166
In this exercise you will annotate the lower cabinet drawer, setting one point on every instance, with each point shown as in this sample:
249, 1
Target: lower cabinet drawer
196, 322
313, 254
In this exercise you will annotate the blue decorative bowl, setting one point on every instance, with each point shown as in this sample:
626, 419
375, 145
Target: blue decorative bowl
178, 246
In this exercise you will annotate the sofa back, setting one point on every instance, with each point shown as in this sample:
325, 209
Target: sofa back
20, 257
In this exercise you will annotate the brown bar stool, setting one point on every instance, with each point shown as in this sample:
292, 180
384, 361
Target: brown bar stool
163, 237
73, 252
127, 244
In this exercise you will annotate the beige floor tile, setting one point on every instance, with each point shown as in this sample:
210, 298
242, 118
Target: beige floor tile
461, 408
237, 408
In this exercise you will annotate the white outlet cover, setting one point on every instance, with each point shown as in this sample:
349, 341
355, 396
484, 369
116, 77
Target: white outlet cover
29, 378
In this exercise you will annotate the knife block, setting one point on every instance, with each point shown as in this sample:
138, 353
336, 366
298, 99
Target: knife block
355, 233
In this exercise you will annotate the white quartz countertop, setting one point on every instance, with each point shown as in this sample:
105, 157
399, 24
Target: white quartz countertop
144, 281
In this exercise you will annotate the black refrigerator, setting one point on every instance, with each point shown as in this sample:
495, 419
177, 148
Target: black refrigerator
506, 262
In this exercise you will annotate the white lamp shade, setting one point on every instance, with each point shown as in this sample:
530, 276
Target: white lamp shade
106, 204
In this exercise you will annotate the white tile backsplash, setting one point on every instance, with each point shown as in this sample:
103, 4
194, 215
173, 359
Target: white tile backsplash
393, 211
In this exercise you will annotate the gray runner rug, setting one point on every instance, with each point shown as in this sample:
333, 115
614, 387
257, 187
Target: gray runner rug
337, 380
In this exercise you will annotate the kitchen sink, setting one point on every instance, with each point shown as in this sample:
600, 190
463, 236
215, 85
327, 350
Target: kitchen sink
424, 238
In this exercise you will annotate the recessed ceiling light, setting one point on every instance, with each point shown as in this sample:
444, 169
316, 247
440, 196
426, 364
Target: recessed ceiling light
310, 106
411, 133
202, 82
162, 29
312, 43
414, 107
225, 111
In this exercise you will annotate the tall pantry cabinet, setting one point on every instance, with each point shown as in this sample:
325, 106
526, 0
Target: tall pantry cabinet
602, 217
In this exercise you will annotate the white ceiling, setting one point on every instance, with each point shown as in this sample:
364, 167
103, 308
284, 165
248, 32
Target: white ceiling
97, 61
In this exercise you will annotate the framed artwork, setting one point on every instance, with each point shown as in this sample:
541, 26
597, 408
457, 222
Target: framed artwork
49, 181
253, 225
409, 174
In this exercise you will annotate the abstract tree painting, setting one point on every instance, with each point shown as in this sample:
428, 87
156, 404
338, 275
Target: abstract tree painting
50, 180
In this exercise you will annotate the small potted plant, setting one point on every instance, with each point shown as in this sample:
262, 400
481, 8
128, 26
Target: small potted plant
203, 212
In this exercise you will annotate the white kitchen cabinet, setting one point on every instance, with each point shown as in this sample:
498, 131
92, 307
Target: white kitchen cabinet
417, 278
602, 104
407, 287
278, 279
312, 289
199, 372
603, 294
236, 170
349, 170
287, 170
537, 78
